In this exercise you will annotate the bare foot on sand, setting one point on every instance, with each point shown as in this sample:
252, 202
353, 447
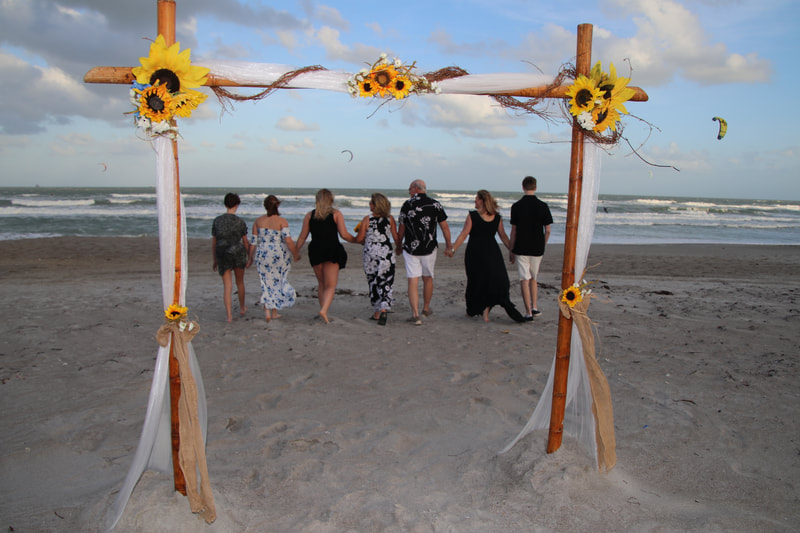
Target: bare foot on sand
324, 317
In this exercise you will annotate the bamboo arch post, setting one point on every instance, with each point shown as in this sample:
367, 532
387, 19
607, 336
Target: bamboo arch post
166, 28
563, 340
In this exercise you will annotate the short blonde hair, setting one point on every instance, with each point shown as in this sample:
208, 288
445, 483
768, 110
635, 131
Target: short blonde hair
380, 205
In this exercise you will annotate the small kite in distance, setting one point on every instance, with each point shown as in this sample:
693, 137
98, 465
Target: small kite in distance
349, 152
723, 127
105, 167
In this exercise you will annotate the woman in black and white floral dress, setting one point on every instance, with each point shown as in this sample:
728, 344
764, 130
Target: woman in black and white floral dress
378, 234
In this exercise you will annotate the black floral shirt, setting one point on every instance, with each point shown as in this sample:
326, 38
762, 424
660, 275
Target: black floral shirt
421, 215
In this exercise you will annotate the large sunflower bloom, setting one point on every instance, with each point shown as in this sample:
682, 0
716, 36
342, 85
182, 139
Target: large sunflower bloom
383, 78
367, 87
605, 116
615, 91
172, 67
583, 94
174, 312
572, 295
400, 87
188, 101
156, 103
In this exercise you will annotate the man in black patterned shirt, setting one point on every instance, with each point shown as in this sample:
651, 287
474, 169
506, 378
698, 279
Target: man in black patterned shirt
419, 217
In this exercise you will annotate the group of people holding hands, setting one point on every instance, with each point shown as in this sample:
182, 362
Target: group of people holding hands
414, 235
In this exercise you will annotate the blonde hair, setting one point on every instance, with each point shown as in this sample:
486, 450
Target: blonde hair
380, 205
324, 201
489, 203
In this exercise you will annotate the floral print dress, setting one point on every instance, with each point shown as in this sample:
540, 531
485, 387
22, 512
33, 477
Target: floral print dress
273, 262
379, 263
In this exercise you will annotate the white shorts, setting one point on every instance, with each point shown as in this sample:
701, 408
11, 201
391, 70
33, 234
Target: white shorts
528, 266
419, 265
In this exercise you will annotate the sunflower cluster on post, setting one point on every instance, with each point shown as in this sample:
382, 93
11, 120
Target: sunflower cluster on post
177, 314
575, 294
164, 87
389, 80
597, 100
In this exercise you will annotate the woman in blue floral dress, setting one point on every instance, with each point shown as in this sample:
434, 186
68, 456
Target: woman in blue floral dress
272, 251
378, 234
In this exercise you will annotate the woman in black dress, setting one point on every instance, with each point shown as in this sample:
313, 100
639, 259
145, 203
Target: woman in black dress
325, 252
230, 250
487, 277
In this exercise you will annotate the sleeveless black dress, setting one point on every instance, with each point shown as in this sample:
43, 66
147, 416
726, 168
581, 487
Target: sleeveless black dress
325, 245
487, 277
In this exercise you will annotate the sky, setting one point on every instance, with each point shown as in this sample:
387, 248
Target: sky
696, 59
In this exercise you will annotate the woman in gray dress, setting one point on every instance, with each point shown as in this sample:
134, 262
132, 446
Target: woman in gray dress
230, 250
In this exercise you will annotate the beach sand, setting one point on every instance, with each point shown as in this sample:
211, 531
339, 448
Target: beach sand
354, 427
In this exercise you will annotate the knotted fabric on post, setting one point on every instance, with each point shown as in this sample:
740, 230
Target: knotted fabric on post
192, 452
601, 393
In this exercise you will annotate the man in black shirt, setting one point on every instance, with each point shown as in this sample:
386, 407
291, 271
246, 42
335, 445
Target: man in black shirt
530, 231
416, 229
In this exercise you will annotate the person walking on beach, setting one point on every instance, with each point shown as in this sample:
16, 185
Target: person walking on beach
487, 277
378, 233
325, 253
530, 231
230, 250
419, 217
273, 249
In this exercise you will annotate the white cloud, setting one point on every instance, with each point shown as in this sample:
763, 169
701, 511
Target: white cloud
273, 145
291, 123
472, 116
670, 39
331, 17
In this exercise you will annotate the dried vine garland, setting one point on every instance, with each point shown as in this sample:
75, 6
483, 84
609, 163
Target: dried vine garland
225, 96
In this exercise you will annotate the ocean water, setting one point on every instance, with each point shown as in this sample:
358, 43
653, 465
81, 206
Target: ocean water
48, 212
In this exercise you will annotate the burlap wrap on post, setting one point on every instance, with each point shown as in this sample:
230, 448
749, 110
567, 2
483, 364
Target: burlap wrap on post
192, 451
601, 393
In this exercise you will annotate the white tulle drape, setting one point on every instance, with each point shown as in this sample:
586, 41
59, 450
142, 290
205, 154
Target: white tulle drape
245, 73
154, 451
578, 418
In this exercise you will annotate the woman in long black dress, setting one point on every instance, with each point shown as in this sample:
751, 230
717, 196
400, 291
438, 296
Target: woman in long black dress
325, 253
230, 249
487, 278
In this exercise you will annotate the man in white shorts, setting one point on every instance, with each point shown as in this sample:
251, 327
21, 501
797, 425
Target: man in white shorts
416, 230
530, 231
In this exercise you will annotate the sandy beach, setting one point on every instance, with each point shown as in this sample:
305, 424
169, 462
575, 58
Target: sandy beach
354, 427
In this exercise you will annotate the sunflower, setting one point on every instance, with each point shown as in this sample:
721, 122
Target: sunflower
367, 87
156, 103
605, 116
401, 87
583, 95
615, 91
175, 312
172, 67
572, 295
188, 101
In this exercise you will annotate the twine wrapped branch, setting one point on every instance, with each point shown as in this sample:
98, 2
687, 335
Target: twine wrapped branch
192, 452
601, 393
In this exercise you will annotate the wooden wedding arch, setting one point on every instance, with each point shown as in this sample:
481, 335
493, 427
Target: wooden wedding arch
166, 11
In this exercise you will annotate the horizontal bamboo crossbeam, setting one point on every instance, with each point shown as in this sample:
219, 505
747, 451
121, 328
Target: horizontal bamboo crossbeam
123, 75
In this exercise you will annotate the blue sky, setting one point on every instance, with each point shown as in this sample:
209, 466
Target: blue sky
696, 60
